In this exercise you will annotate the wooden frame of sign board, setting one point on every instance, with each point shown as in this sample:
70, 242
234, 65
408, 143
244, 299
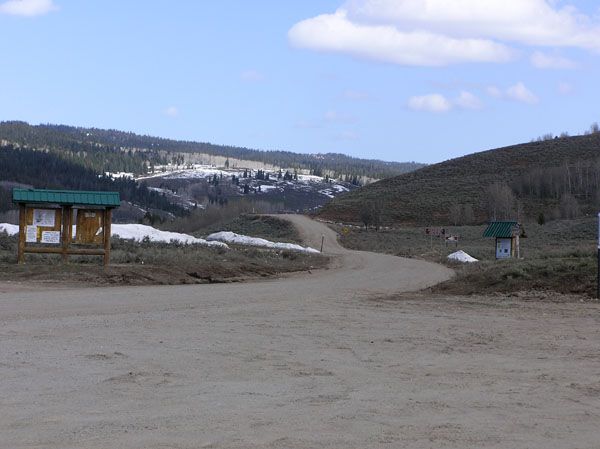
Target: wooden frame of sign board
47, 219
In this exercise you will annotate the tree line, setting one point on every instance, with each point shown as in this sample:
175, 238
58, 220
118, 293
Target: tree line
47, 170
112, 150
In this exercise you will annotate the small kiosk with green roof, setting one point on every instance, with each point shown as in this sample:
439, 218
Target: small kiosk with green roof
65, 222
507, 235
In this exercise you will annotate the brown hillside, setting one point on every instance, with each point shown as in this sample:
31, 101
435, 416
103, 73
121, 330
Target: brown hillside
552, 167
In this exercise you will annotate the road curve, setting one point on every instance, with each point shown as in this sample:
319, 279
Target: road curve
283, 363
366, 272
352, 275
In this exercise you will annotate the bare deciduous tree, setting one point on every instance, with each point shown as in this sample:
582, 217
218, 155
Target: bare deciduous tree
501, 202
569, 207
370, 214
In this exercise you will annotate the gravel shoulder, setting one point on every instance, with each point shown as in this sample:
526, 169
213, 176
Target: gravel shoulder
307, 361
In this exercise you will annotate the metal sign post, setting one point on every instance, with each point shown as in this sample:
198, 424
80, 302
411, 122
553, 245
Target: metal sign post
598, 278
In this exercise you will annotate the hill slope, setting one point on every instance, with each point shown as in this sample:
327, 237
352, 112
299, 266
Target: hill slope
558, 176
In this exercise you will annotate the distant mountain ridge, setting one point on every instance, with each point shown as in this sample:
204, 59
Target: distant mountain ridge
552, 178
119, 151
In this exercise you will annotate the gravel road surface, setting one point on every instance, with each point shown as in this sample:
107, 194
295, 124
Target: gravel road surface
317, 360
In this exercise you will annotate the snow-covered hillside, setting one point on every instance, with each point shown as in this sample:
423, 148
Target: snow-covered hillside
195, 185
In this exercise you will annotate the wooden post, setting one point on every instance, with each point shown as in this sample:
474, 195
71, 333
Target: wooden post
67, 231
107, 219
22, 232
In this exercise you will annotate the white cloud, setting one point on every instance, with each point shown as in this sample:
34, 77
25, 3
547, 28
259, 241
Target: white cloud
442, 32
467, 100
543, 61
252, 76
439, 103
430, 103
171, 111
334, 32
27, 8
519, 92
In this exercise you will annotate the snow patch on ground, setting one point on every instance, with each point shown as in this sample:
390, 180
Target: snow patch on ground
310, 178
10, 229
159, 190
327, 192
340, 188
138, 232
266, 188
232, 237
119, 175
461, 256
194, 172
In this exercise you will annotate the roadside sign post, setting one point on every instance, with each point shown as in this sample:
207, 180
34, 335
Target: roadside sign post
322, 241
598, 277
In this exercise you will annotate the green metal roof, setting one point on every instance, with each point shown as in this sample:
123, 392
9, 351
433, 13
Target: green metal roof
39, 196
501, 229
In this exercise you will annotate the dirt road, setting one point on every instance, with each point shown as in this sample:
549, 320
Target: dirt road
307, 361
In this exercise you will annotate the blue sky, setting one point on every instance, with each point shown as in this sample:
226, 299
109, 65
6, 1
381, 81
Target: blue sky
403, 80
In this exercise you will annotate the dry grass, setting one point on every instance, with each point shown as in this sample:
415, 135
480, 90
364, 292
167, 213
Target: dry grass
263, 226
559, 256
155, 263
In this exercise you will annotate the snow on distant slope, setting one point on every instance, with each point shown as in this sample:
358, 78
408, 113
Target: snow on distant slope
195, 172
265, 188
232, 237
327, 192
120, 175
339, 187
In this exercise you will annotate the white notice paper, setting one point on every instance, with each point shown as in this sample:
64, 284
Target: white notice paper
31, 234
44, 217
50, 236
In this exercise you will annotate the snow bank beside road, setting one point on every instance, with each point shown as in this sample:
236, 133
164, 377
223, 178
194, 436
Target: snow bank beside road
232, 237
137, 232
10, 229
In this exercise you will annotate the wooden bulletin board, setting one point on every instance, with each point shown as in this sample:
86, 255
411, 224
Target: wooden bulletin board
89, 226
43, 226
65, 222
